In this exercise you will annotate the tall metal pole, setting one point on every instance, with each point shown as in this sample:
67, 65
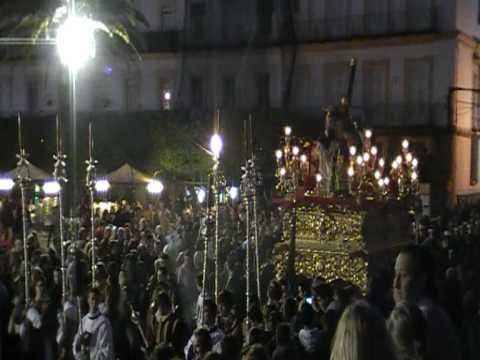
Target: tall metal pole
23, 178
217, 214
59, 174
90, 181
253, 177
205, 251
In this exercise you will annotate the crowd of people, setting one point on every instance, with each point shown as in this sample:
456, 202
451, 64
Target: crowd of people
150, 294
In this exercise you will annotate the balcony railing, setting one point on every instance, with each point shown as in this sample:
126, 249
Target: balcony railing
366, 25
400, 115
210, 35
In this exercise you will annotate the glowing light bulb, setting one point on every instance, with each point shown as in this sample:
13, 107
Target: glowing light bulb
366, 156
374, 150
102, 185
398, 159
415, 162
76, 42
350, 171
295, 150
395, 165
287, 130
233, 192
51, 188
408, 157
216, 145
368, 133
155, 187
353, 150
377, 174
359, 159
318, 177
381, 162
303, 158
278, 154
6, 184
405, 144
381, 183
283, 171
386, 181
414, 176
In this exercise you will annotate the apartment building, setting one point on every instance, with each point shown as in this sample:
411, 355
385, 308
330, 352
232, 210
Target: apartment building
418, 72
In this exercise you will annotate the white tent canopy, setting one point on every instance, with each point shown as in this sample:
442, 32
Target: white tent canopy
34, 172
127, 174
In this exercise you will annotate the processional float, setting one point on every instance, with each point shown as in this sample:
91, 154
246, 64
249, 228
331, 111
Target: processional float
344, 206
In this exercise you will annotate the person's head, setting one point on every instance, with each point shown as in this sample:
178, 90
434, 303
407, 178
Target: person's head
274, 291
407, 327
162, 352
201, 343
93, 299
283, 333
255, 336
413, 269
164, 303
361, 335
257, 352
229, 347
212, 355
289, 308
225, 302
322, 295
210, 312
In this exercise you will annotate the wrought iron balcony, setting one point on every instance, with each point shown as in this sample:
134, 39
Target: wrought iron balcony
203, 34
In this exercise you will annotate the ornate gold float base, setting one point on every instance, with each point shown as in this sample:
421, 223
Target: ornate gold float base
330, 265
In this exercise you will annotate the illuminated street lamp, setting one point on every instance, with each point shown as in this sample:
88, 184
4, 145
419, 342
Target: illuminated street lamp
102, 186
6, 184
75, 41
155, 187
51, 188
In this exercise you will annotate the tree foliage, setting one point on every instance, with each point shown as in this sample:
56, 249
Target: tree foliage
38, 19
178, 151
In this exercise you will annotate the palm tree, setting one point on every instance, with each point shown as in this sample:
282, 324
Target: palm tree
36, 20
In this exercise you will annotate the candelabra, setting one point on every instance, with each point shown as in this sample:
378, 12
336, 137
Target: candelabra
404, 173
366, 170
292, 167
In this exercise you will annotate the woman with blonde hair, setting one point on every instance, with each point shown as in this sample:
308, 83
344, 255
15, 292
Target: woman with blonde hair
362, 335
407, 326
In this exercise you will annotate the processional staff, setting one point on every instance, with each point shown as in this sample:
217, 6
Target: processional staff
90, 182
249, 196
60, 176
23, 178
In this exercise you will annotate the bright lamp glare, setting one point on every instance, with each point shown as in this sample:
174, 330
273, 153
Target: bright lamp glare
216, 145
233, 192
6, 184
51, 188
102, 185
75, 41
155, 187
201, 194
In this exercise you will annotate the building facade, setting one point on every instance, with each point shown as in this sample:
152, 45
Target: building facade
418, 72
